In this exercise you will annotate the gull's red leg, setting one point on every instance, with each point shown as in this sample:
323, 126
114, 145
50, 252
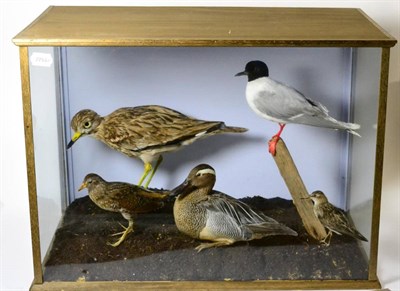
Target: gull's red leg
275, 139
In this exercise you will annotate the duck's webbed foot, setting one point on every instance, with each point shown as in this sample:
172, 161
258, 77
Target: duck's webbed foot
203, 246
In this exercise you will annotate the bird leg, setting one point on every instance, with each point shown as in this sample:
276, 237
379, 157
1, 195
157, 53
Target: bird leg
147, 169
121, 232
159, 160
124, 233
273, 141
203, 246
328, 237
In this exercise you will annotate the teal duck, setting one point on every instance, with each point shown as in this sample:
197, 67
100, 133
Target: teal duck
206, 214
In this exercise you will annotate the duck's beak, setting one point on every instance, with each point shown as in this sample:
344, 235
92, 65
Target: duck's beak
74, 138
244, 73
83, 186
183, 189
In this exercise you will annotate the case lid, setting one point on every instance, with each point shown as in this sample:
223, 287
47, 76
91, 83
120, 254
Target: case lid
203, 26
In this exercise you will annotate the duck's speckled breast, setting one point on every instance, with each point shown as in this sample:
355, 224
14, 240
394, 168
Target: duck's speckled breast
190, 218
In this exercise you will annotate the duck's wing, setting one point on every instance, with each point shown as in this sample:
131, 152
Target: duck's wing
239, 211
251, 223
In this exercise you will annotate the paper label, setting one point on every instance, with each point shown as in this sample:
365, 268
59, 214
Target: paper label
41, 60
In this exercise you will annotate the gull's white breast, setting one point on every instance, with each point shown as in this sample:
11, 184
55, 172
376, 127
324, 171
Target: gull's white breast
262, 89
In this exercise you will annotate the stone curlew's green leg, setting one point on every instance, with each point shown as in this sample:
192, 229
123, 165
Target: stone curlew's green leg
147, 169
159, 161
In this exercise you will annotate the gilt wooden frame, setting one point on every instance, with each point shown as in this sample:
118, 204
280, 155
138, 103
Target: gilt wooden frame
139, 26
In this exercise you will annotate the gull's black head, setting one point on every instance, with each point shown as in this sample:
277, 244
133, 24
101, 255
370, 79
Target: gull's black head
255, 70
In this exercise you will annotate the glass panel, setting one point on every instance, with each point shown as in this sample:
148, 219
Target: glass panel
48, 139
366, 79
200, 82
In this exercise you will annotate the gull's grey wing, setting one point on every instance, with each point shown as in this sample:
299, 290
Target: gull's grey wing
286, 103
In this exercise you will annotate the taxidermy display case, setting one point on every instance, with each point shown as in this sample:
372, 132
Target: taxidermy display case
146, 60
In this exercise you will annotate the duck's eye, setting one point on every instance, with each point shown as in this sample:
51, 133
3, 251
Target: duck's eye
87, 124
90, 181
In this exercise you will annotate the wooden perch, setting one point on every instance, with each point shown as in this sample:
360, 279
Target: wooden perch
298, 191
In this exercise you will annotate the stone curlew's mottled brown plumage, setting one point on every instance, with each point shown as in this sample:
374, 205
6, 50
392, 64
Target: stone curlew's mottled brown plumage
145, 132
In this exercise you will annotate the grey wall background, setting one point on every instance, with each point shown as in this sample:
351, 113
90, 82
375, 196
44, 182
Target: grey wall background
200, 82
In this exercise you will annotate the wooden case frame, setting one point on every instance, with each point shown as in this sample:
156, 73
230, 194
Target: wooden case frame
179, 26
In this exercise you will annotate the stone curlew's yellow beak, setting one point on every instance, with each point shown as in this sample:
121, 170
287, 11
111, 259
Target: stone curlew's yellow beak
75, 137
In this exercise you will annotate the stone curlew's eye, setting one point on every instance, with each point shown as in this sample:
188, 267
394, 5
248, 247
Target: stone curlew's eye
87, 124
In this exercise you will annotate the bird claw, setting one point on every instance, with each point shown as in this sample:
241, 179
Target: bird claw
124, 233
117, 233
272, 145
121, 232
203, 246
124, 227
117, 243
327, 240
274, 140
